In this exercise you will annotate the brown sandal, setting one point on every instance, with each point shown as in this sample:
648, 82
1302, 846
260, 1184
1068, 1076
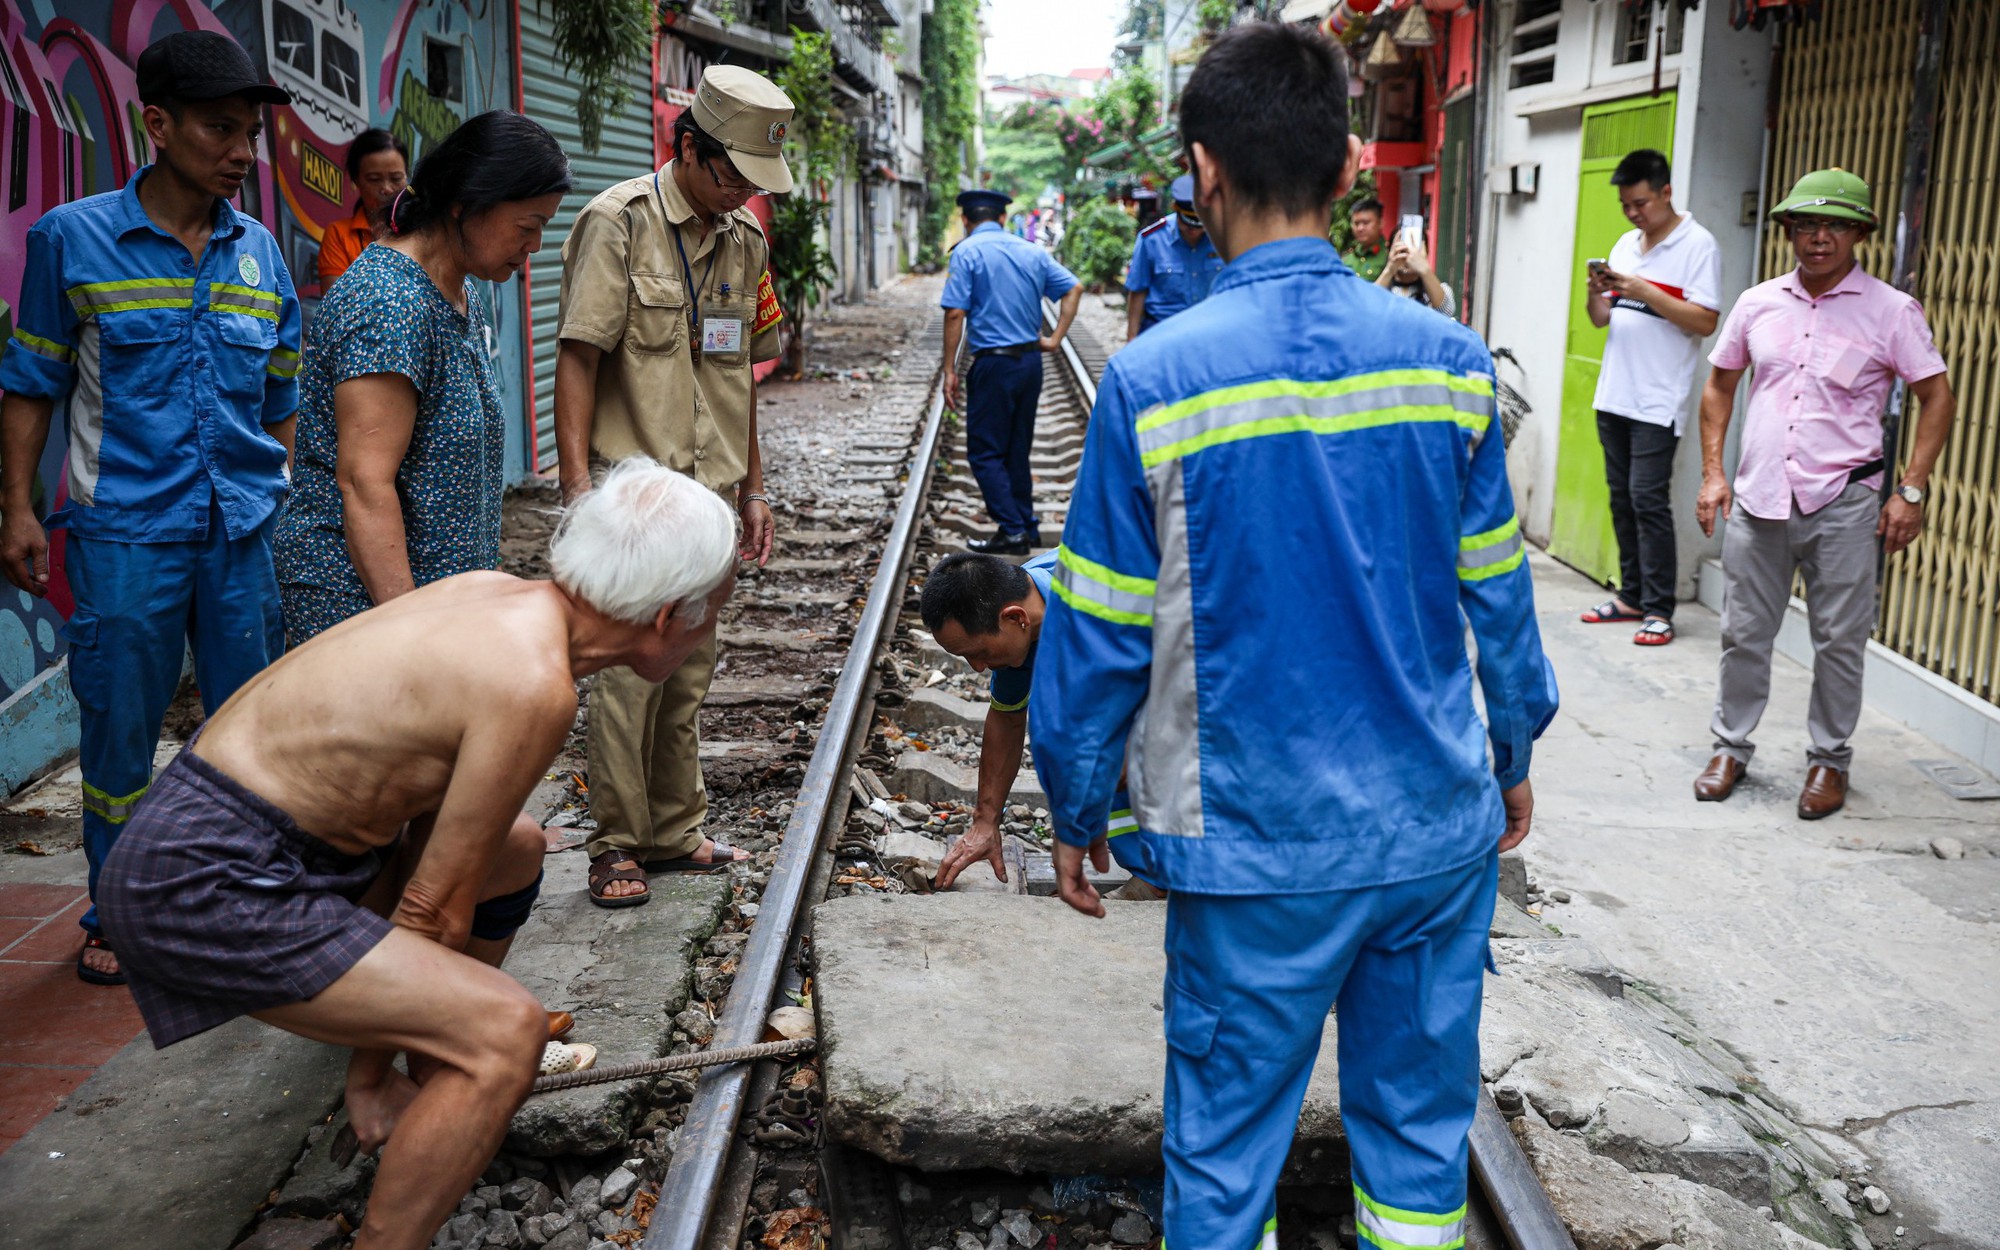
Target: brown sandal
604, 871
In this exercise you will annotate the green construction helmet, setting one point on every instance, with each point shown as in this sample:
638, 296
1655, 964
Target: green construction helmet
1830, 193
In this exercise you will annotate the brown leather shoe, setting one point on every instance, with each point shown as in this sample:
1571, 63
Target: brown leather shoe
1718, 781
1825, 792
560, 1023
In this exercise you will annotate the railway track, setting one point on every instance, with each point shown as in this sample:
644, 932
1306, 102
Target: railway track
704, 1201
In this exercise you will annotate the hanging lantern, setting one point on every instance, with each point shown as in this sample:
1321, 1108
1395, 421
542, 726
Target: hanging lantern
1382, 59
1363, 6
1414, 30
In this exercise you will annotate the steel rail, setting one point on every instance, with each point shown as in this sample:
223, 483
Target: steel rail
695, 1176
1086, 386
1526, 1215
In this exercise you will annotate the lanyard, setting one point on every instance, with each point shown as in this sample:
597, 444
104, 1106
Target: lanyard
687, 273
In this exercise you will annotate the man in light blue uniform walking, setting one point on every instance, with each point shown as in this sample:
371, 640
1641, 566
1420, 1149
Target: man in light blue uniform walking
1173, 265
993, 304
1293, 499
166, 322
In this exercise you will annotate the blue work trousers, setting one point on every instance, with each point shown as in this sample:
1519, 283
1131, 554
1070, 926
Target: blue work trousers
1249, 982
1001, 394
139, 608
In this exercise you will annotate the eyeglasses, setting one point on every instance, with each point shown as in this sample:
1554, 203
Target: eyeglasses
734, 185
1808, 227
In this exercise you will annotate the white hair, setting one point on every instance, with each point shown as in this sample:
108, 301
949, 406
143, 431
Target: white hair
645, 538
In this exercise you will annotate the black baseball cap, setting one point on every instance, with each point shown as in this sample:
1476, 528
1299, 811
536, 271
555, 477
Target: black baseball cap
202, 65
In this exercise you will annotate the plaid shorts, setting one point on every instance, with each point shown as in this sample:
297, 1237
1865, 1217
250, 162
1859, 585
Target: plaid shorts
219, 905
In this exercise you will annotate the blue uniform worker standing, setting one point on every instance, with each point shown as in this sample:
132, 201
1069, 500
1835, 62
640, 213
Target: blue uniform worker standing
993, 304
166, 324
1173, 265
1292, 500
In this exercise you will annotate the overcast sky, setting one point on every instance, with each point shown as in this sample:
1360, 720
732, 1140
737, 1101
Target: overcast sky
1049, 36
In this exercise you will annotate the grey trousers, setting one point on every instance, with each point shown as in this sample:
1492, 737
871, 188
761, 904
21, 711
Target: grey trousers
1835, 550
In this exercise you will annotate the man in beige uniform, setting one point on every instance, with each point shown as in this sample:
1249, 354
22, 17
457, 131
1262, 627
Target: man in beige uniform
666, 305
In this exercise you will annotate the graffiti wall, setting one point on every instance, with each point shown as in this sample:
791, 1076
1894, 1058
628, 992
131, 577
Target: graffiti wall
70, 126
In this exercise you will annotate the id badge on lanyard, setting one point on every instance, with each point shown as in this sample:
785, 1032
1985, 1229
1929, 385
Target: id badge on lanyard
723, 334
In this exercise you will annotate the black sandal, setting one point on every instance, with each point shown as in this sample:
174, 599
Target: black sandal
604, 871
90, 975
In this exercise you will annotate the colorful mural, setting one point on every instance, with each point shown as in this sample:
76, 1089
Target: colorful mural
70, 126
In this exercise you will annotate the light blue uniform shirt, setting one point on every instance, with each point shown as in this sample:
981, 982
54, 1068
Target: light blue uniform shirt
1000, 279
1174, 276
1010, 686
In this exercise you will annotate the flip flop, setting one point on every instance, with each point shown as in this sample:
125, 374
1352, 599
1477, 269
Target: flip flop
90, 975
1607, 613
726, 855
559, 1057
1656, 632
603, 872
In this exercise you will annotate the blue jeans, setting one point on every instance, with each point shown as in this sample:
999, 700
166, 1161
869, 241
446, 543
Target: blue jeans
139, 607
1001, 394
1250, 979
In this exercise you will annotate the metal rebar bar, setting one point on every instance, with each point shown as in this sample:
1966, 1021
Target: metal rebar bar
670, 1063
1526, 1215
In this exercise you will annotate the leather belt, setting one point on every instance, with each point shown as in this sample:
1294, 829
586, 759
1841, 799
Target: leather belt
1013, 351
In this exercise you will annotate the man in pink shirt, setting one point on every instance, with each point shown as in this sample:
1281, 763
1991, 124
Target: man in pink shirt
1829, 343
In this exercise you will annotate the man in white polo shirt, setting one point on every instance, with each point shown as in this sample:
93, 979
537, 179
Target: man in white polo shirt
1659, 293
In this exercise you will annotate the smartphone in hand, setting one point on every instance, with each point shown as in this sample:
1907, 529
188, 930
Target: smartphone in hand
1599, 270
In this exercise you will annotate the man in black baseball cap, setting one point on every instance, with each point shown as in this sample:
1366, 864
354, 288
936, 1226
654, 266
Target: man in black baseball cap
202, 65
163, 321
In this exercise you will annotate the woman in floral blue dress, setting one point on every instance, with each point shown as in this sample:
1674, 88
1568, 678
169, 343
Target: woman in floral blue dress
397, 476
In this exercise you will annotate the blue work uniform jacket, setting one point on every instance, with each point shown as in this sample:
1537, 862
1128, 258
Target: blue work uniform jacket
1174, 276
999, 279
1293, 497
171, 369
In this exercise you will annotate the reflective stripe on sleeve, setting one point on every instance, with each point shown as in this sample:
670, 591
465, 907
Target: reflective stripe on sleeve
998, 706
1391, 1228
1094, 589
1122, 821
1289, 406
284, 364
47, 349
1489, 554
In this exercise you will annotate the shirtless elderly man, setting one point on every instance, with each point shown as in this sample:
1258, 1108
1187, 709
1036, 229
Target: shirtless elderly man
378, 770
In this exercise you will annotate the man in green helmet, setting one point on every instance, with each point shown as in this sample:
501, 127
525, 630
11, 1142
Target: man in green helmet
1829, 343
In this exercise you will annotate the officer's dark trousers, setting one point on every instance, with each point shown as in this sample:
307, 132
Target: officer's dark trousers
1639, 469
1001, 394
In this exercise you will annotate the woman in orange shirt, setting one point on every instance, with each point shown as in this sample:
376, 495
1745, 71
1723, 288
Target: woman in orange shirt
379, 165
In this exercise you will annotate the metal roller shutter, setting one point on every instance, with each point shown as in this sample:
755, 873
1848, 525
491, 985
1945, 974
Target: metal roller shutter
625, 150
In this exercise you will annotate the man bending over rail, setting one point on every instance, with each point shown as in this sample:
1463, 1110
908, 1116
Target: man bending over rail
379, 769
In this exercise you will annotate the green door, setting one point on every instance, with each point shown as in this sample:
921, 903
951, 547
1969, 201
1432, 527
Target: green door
1580, 532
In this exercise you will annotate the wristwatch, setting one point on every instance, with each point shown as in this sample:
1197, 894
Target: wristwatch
1910, 494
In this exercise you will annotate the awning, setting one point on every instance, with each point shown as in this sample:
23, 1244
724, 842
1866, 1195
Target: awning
1158, 142
1306, 10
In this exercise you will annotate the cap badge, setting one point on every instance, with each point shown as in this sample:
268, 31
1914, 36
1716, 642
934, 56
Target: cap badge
777, 132
246, 267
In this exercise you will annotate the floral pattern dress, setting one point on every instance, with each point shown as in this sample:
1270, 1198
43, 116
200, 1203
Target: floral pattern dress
385, 315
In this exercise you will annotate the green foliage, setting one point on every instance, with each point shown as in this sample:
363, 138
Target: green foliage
801, 266
1340, 233
820, 141
1127, 107
603, 43
1144, 19
1039, 145
948, 56
1216, 14
1098, 243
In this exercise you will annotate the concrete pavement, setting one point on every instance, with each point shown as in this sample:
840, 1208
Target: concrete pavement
1851, 970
